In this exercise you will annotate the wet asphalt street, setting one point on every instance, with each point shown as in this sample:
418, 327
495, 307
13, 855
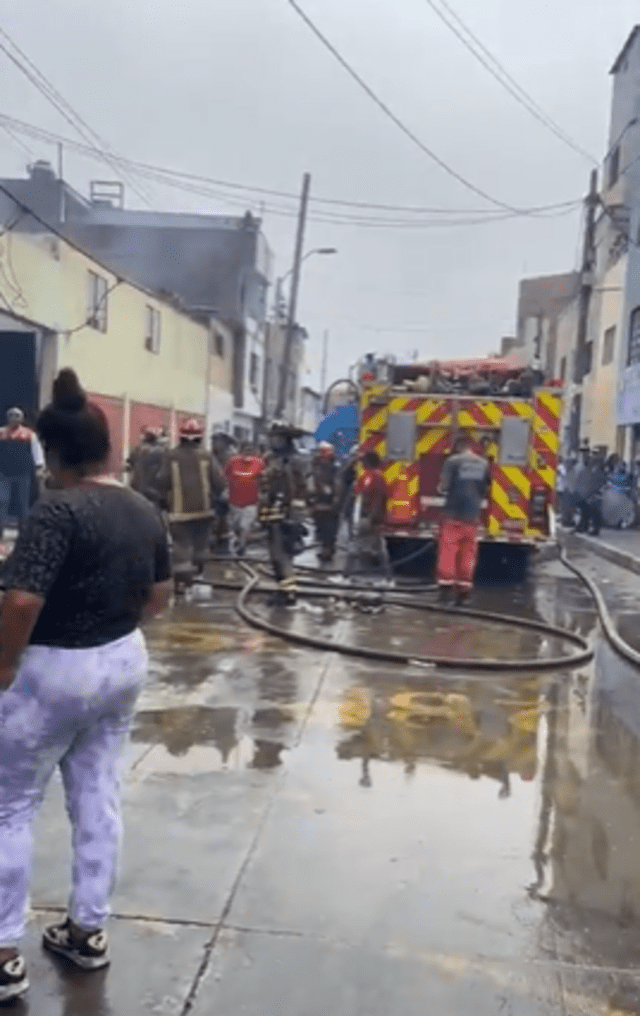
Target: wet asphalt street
308, 834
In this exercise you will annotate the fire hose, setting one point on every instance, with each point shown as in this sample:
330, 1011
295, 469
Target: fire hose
584, 652
318, 589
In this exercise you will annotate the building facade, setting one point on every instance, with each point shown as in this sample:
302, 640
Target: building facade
275, 367
212, 266
310, 410
624, 176
143, 359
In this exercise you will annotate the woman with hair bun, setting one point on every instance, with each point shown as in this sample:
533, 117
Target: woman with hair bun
90, 562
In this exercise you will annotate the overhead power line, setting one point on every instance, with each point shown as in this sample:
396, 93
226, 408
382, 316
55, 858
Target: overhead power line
497, 70
31, 130
386, 109
330, 215
27, 67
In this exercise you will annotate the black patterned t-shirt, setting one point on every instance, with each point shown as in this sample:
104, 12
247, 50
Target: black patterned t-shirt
92, 552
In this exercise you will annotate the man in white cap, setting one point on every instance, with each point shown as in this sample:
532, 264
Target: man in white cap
17, 464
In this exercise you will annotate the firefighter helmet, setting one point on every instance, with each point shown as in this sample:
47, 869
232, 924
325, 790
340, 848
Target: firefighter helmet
191, 429
152, 432
326, 450
280, 428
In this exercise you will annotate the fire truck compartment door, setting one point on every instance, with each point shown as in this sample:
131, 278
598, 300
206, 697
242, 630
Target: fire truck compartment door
401, 437
514, 441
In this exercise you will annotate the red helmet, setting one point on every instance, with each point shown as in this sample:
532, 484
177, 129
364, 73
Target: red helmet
326, 450
191, 428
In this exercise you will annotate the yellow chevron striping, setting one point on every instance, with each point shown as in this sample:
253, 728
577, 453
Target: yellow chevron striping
519, 479
552, 402
398, 404
392, 472
425, 443
375, 423
545, 434
427, 408
374, 392
492, 410
499, 495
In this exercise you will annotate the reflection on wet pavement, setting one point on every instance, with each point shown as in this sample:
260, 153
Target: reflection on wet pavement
188, 730
371, 837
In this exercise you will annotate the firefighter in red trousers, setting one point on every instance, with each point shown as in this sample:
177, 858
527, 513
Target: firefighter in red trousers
464, 483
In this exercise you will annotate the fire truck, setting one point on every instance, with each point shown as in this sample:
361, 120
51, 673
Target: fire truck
410, 414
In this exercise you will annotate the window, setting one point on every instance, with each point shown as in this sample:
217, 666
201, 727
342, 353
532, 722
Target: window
634, 338
97, 302
254, 370
588, 357
608, 345
563, 368
152, 332
614, 166
218, 343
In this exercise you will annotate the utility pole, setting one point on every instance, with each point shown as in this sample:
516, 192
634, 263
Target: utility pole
325, 357
293, 299
592, 201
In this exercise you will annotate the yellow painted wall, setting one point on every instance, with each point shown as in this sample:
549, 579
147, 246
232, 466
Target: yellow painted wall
52, 277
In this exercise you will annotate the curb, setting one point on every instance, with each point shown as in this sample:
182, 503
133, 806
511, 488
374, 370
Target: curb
604, 550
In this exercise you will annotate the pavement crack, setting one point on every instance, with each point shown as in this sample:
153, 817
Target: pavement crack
211, 944
313, 700
181, 922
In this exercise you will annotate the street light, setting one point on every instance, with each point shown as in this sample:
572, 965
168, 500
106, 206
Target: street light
283, 278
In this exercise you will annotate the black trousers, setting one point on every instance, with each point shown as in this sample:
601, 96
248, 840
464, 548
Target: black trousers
281, 561
590, 516
326, 523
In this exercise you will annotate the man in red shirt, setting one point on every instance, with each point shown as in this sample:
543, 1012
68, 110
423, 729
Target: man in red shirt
242, 472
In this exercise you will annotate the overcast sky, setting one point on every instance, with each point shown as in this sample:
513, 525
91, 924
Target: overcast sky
240, 90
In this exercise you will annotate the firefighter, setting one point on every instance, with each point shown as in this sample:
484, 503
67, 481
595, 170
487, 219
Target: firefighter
370, 512
190, 485
323, 498
464, 483
145, 465
281, 485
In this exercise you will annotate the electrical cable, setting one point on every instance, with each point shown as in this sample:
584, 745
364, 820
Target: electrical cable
103, 299
70, 243
16, 140
27, 67
502, 75
38, 133
382, 105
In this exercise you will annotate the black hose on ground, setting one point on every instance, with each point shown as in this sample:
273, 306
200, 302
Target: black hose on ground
330, 590
584, 654
623, 648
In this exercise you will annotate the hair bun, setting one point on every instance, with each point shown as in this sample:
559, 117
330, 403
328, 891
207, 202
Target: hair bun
68, 393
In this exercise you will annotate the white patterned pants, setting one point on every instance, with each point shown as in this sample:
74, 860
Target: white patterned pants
70, 708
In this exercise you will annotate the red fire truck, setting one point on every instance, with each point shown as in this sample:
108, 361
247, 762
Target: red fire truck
410, 415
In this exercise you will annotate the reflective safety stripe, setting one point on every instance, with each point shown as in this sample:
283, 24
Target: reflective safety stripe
206, 492
176, 481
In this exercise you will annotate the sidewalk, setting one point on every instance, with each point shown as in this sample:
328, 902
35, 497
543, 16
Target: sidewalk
620, 546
